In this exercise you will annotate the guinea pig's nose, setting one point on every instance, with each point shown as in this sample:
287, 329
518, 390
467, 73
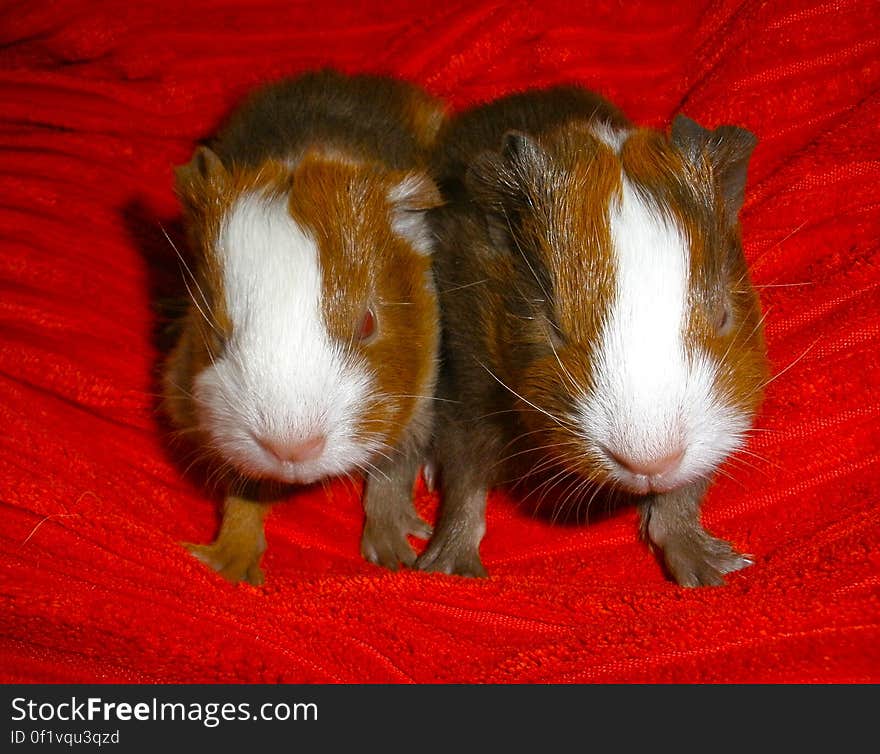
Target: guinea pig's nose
296, 450
653, 466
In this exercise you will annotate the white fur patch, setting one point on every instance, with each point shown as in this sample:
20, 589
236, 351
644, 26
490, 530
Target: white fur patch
281, 377
654, 393
609, 136
407, 216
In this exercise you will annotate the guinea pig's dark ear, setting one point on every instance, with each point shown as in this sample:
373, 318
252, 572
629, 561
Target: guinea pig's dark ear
507, 182
727, 148
690, 137
410, 199
510, 174
522, 150
489, 181
203, 171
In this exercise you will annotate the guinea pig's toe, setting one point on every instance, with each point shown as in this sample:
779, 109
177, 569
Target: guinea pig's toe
704, 562
474, 569
371, 554
418, 527
736, 563
254, 575
207, 554
451, 561
386, 548
232, 564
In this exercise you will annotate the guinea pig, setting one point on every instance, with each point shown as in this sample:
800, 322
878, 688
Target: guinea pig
599, 327
309, 349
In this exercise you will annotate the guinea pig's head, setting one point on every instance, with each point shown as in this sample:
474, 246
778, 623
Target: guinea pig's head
633, 337
313, 325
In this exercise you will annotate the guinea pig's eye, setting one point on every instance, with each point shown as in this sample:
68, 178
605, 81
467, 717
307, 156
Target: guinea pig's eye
367, 326
724, 320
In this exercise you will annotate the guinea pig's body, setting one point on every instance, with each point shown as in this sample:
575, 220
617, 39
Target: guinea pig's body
309, 349
599, 327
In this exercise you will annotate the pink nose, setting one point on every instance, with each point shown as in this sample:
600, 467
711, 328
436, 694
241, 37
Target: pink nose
656, 466
297, 451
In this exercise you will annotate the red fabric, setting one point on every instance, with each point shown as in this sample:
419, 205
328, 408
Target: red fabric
97, 103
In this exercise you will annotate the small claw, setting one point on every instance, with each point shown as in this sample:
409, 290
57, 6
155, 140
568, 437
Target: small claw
384, 542
738, 564
441, 560
704, 570
429, 474
255, 576
420, 528
385, 551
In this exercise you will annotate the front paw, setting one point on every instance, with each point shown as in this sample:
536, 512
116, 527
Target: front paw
385, 543
444, 555
702, 561
233, 562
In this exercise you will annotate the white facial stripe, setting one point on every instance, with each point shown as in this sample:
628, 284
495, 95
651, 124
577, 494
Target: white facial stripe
643, 355
654, 393
281, 376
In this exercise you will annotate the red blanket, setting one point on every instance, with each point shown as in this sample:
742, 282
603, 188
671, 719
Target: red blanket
98, 103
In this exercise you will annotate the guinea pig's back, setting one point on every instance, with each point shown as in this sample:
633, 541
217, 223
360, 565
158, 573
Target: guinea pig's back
363, 116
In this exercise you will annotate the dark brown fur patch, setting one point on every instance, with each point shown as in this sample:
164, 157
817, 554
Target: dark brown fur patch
567, 235
375, 118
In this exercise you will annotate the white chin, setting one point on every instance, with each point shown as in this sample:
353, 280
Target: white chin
300, 473
639, 484
296, 477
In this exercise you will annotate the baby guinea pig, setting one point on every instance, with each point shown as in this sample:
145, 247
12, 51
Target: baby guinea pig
600, 329
309, 349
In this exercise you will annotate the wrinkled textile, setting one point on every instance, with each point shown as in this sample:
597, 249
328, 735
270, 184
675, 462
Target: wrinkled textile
98, 102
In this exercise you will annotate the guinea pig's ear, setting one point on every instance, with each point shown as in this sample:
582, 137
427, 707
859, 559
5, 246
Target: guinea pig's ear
511, 174
410, 199
489, 181
727, 148
523, 153
507, 183
203, 171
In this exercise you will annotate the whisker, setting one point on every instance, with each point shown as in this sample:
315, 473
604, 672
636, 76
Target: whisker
524, 400
462, 287
426, 397
535, 449
525, 257
195, 282
779, 374
376, 471
784, 285
775, 246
